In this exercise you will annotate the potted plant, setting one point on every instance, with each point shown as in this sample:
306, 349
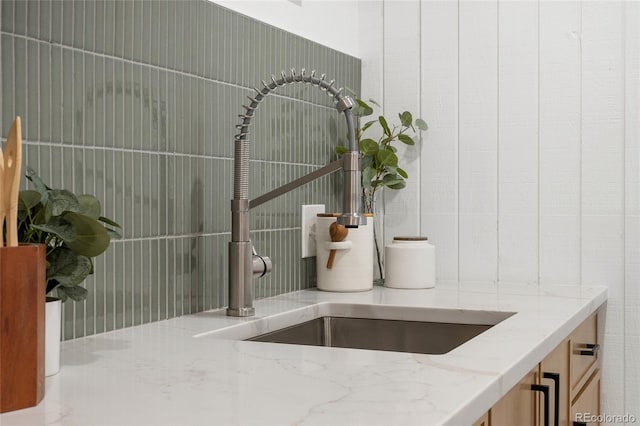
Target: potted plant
74, 232
378, 159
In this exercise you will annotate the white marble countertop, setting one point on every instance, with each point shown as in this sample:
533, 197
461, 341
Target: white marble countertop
160, 374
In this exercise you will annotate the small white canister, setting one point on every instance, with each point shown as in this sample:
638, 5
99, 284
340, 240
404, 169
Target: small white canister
410, 263
352, 268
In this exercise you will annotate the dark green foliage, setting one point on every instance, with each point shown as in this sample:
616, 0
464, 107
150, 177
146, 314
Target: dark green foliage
72, 229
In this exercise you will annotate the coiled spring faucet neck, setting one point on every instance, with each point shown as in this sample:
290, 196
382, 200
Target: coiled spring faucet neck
244, 263
343, 103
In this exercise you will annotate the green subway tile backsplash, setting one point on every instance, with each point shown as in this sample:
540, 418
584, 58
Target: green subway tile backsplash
137, 102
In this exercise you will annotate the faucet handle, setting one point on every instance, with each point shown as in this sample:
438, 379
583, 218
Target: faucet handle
262, 265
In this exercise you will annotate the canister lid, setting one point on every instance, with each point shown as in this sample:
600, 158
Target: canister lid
338, 214
410, 238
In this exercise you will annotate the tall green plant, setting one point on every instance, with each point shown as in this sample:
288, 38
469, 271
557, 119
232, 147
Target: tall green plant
71, 227
378, 156
379, 159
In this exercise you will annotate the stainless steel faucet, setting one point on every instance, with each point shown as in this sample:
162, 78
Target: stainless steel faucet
244, 262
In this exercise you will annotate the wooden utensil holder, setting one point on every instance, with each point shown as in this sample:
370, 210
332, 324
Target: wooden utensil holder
22, 313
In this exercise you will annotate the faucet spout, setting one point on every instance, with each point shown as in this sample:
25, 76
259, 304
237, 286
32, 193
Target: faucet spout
350, 216
244, 262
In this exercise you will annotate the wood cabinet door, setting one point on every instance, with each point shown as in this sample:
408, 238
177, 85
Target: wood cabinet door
518, 406
554, 372
483, 421
586, 405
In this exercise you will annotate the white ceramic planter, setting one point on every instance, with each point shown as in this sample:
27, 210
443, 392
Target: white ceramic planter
53, 318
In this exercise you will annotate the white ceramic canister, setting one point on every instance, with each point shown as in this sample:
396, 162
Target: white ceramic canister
410, 262
53, 317
352, 268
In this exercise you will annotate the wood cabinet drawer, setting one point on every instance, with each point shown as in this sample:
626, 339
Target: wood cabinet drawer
584, 351
586, 404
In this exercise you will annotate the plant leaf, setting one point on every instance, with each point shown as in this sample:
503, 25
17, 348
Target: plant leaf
402, 173
68, 267
43, 189
406, 118
61, 294
367, 125
386, 158
391, 179
368, 147
113, 234
40, 216
421, 124
75, 293
59, 227
109, 221
385, 126
406, 139
89, 206
91, 238
368, 173
60, 201
366, 161
398, 185
28, 199
363, 109
341, 149
375, 183
72, 228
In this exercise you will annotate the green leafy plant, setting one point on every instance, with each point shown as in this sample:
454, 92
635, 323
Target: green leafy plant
378, 156
71, 227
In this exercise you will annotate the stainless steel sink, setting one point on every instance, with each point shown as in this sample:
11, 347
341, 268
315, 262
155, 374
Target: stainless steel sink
381, 327
378, 334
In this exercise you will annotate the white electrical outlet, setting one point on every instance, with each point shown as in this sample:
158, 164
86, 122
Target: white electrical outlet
309, 220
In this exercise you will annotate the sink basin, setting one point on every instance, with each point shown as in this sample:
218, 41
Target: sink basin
377, 334
433, 331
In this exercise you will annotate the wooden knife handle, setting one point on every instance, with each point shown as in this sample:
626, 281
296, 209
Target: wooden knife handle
2, 212
12, 170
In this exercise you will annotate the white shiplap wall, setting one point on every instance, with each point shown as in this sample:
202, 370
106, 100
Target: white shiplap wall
402, 94
529, 173
631, 294
560, 139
